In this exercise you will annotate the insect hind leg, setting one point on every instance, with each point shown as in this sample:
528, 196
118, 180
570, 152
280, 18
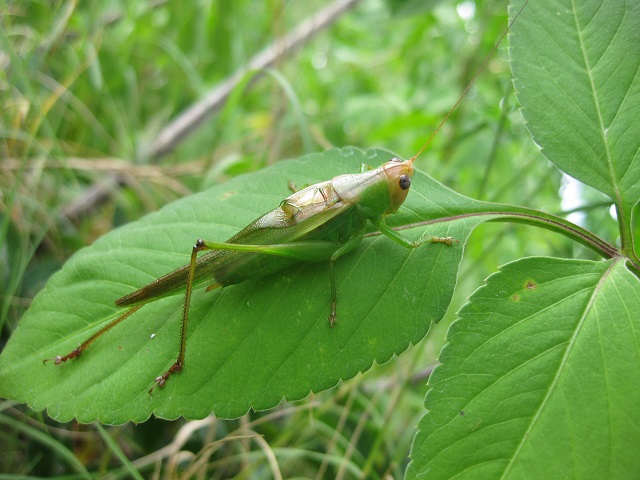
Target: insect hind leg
58, 359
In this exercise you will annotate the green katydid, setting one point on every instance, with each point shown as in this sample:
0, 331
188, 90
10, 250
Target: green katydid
319, 223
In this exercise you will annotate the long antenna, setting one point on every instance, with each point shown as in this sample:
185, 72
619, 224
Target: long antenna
470, 83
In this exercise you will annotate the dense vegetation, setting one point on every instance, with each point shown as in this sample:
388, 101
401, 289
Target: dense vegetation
88, 89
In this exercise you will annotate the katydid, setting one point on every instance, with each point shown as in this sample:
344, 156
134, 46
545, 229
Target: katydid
319, 223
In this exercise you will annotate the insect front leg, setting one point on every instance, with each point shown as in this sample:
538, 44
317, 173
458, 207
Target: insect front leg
405, 242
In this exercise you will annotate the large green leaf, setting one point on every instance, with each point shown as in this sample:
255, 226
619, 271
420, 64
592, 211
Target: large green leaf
575, 67
250, 345
540, 377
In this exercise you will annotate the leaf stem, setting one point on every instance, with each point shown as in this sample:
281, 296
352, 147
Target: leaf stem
539, 219
624, 213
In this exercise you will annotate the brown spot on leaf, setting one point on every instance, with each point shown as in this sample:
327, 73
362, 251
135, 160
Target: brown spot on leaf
516, 297
226, 195
531, 285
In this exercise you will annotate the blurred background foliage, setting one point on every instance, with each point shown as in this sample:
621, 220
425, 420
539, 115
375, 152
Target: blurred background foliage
87, 87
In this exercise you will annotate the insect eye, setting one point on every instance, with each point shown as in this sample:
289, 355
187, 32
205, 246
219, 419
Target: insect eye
405, 182
396, 159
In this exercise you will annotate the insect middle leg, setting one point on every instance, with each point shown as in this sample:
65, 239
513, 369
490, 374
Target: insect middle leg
344, 248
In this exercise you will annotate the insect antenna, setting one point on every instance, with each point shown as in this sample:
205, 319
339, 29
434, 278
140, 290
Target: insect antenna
486, 60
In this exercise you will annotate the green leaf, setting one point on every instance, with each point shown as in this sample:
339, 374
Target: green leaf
542, 364
249, 345
575, 67
543, 361
411, 7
